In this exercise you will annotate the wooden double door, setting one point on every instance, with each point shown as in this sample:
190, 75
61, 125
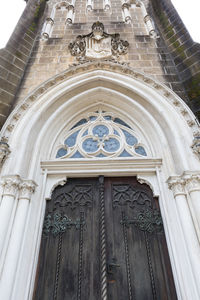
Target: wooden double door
103, 239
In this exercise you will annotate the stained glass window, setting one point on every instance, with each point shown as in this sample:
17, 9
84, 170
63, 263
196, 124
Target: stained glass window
101, 135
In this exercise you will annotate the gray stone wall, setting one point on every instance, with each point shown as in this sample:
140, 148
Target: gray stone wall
27, 60
15, 56
185, 52
145, 54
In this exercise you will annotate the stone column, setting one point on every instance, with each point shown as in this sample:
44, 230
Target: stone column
192, 182
107, 5
149, 24
70, 14
10, 186
47, 28
177, 185
89, 5
26, 188
127, 15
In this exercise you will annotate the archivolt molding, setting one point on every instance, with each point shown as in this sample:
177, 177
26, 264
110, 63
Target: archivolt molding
87, 67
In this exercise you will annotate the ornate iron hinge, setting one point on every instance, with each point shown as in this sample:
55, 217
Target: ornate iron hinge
56, 223
148, 220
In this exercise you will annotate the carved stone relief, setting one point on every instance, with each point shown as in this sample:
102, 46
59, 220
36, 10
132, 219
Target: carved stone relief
98, 44
4, 150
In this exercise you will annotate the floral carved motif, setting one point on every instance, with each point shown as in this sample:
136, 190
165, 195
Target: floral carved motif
10, 184
26, 188
177, 185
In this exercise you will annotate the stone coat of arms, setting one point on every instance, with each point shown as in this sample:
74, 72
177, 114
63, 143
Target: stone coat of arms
98, 44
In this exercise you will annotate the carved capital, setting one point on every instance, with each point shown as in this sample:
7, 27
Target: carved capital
26, 189
177, 185
4, 150
10, 185
192, 182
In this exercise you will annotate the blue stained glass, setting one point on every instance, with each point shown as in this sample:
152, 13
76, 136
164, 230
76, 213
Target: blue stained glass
125, 154
116, 132
130, 139
81, 122
61, 152
140, 150
100, 155
119, 121
111, 145
93, 118
71, 140
77, 154
107, 118
100, 130
89, 145
85, 133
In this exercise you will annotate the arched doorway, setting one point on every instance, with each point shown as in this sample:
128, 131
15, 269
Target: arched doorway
37, 126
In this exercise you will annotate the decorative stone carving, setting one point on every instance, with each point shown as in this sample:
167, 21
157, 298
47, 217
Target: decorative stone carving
4, 150
177, 185
196, 145
10, 184
98, 44
192, 182
26, 189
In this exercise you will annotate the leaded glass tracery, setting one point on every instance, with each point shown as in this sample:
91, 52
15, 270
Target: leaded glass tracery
101, 135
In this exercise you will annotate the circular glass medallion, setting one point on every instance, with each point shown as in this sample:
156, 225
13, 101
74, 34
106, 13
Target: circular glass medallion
111, 145
89, 145
100, 130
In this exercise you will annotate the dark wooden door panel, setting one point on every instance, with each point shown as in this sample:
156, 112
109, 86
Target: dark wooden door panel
71, 261
136, 242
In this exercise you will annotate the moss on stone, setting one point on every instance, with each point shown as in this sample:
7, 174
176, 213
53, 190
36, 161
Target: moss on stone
193, 87
37, 14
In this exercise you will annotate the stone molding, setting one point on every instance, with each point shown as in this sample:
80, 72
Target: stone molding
88, 66
189, 181
13, 184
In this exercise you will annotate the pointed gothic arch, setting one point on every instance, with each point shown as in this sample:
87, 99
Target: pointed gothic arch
167, 124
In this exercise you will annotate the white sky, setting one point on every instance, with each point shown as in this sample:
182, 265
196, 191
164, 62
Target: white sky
11, 10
